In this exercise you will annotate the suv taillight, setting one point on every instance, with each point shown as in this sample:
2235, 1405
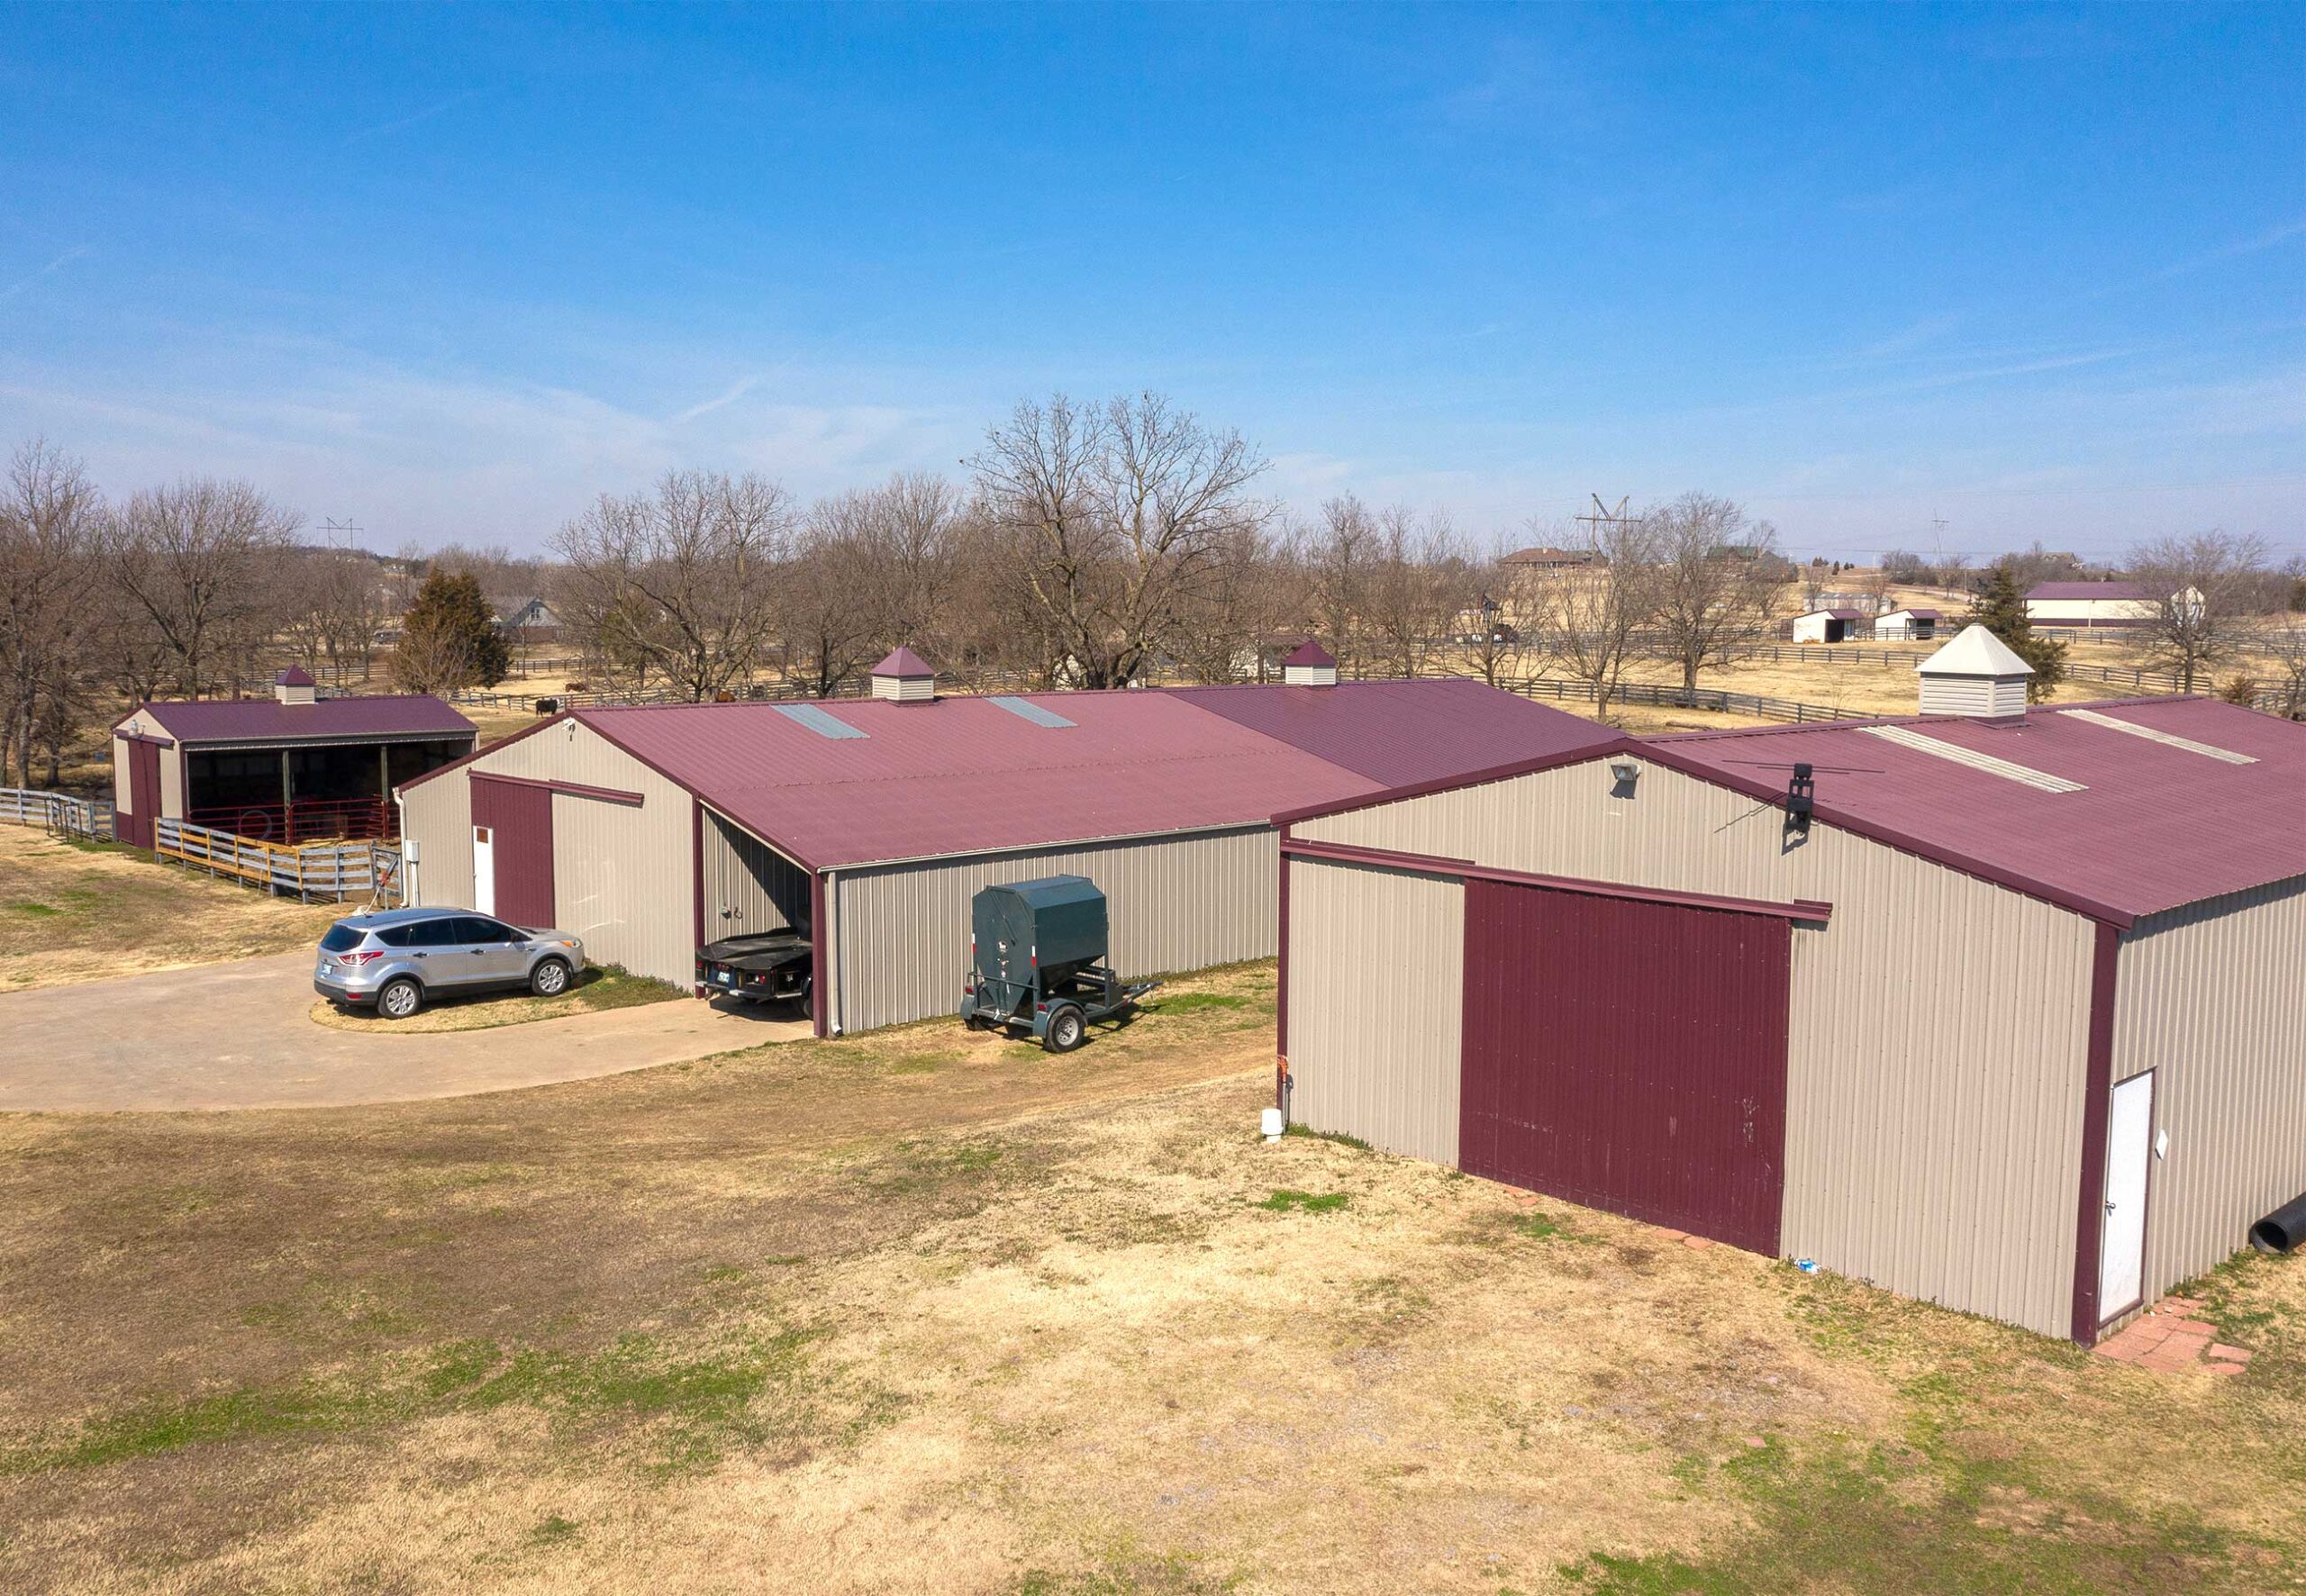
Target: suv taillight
356, 960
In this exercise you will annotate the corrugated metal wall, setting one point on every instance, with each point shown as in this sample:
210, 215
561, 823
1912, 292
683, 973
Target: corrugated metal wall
1939, 1034
2213, 996
749, 886
1373, 1020
899, 933
622, 873
437, 816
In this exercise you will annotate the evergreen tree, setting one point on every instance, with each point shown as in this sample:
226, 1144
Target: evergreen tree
448, 642
2001, 609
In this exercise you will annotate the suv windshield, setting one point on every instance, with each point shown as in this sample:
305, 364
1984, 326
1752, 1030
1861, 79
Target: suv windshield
341, 939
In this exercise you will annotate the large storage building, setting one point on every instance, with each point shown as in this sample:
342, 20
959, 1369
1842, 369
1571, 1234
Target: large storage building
871, 824
2011, 1018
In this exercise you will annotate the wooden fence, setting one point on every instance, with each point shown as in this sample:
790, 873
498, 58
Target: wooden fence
1857, 653
1685, 698
369, 871
60, 813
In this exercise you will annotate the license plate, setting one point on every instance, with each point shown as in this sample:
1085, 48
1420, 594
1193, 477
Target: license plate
726, 979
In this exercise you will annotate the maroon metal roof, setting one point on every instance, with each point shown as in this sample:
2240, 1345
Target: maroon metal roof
966, 775
1309, 652
1918, 614
2086, 590
1399, 733
904, 662
1837, 615
296, 675
2155, 826
269, 721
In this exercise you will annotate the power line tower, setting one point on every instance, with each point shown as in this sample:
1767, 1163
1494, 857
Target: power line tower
332, 529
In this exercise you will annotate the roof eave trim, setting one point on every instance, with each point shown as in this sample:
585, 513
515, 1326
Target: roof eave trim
1806, 909
1210, 829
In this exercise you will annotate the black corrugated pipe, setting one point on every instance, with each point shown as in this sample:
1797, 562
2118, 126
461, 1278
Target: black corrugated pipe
2282, 1230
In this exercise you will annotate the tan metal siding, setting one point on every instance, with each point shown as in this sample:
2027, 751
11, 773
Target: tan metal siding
622, 875
1374, 1043
437, 816
1940, 1027
900, 932
2212, 998
748, 885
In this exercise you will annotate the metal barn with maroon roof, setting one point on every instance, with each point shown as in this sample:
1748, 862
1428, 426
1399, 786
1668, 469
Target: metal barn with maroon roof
871, 824
2006, 1013
286, 768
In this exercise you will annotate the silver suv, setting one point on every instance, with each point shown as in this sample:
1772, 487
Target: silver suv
398, 960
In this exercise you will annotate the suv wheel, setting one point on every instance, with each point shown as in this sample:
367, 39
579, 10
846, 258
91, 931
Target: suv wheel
1067, 1030
400, 998
550, 978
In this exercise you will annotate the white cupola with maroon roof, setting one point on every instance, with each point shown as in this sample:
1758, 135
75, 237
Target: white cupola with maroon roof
294, 685
1976, 675
1310, 665
905, 677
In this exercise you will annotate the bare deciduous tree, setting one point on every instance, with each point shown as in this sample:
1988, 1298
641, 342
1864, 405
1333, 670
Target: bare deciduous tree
199, 564
1716, 584
1590, 618
681, 580
50, 518
1120, 516
2197, 586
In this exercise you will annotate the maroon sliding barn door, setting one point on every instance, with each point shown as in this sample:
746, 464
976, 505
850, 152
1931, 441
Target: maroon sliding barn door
519, 817
1628, 1056
140, 828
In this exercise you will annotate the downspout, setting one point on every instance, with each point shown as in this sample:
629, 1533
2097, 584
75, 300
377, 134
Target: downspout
818, 1005
1281, 1082
408, 851
2097, 1105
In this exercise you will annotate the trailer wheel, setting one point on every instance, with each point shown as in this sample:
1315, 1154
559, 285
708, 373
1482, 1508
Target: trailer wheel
1067, 1030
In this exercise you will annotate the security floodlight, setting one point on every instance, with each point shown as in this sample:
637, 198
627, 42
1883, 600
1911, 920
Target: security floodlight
1628, 769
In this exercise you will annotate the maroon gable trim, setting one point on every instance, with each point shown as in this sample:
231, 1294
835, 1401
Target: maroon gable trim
2097, 1105
1807, 909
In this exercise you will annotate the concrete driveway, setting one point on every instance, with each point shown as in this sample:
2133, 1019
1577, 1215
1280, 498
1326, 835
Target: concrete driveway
235, 1036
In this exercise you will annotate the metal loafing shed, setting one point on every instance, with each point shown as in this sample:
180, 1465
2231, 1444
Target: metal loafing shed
2011, 1022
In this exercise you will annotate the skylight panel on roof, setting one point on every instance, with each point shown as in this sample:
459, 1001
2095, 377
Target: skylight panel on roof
1025, 709
2008, 770
2168, 738
817, 721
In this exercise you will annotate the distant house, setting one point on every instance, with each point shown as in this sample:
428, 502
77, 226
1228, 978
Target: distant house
281, 769
1553, 559
531, 621
1526, 571
1907, 626
2093, 604
1827, 626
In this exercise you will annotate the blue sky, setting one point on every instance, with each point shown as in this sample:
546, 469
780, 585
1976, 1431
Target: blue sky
449, 273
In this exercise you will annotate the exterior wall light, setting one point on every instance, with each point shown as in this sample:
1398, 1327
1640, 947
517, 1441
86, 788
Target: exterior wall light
1626, 771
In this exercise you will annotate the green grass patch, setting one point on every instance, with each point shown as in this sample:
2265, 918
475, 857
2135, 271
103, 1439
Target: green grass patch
1339, 1136
696, 1400
1195, 1002
1304, 1202
1538, 1227
37, 911
553, 1531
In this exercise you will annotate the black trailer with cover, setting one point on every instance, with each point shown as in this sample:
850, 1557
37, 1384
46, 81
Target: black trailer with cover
1037, 962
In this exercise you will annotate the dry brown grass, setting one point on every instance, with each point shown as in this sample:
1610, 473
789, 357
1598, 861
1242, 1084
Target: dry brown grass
932, 1312
598, 988
73, 911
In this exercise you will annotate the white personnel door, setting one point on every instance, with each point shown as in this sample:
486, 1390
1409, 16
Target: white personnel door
2130, 1146
483, 869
